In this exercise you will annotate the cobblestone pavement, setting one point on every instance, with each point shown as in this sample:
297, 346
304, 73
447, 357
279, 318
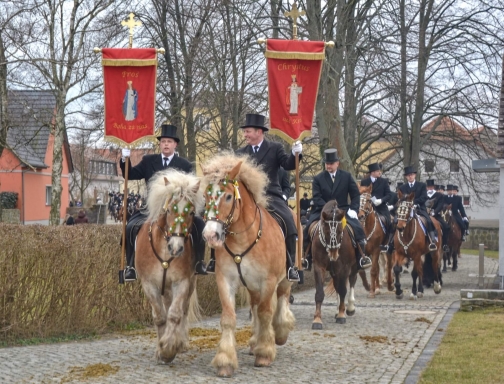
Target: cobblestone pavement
343, 353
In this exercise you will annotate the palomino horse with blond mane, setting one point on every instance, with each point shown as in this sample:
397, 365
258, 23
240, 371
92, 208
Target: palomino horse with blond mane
375, 237
410, 244
249, 248
165, 261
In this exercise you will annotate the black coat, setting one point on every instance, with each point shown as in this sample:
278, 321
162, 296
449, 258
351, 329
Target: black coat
284, 180
381, 190
420, 190
457, 205
150, 164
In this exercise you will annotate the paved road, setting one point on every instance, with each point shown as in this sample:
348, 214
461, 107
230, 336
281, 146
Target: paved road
380, 344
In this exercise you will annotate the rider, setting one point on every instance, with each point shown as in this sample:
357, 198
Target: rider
436, 206
271, 156
381, 195
335, 184
420, 190
457, 209
148, 166
283, 180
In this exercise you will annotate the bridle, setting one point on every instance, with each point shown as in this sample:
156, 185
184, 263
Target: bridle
364, 200
335, 241
169, 231
405, 213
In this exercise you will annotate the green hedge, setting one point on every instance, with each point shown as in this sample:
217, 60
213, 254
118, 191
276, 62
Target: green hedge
8, 200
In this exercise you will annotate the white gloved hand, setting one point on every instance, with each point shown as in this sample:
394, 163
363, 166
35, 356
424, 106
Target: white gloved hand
415, 206
432, 213
352, 214
377, 202
284, 197
125, 152
390, 207
297, 147
373, 198
465, 219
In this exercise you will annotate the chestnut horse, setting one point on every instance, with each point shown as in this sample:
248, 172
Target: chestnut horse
410, 244
454, 240
375, 237
164, 258
249, 247
332, 251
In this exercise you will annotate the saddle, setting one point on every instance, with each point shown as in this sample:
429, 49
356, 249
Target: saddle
280, 222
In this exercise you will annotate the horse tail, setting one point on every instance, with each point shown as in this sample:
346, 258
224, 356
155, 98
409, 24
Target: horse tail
363, 276
194, 312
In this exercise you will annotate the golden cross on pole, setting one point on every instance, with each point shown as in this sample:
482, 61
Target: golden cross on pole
294, 14
131, 24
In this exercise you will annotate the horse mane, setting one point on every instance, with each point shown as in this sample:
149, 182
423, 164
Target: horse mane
180, 185
250, 174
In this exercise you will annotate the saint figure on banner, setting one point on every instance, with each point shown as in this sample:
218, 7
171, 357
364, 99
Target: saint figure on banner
130, 103
293, 96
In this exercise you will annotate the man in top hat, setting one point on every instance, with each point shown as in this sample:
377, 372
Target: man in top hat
457, 209
420, 190
435, 201
305, 202
380, 194
272, 156
284, 181
335, 184
145, 169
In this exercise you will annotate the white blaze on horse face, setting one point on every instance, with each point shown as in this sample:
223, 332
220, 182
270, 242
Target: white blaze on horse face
177, 225
213, 232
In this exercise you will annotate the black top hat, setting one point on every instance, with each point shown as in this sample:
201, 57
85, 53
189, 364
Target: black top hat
430, 183
305, 194
442, 187
170, 131
450, 187
330, 155
436, 186
455, 187
374, 167
254, 120
409, 169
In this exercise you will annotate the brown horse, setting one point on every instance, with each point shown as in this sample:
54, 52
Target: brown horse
410, 244
332, 251
249, 247
164, 258
454, 240
375, 237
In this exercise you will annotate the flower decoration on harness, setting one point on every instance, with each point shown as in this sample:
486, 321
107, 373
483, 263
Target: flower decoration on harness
212, 201
403, 210
180, 218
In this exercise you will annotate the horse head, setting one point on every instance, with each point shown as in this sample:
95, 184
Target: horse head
332, 223
172, 203
221, 200
366, 205
446, 212
404, 209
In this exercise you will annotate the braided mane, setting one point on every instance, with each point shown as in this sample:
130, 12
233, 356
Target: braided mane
250, 174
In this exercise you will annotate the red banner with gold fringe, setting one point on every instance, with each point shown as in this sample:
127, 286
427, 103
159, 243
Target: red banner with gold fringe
130, 94
294, 68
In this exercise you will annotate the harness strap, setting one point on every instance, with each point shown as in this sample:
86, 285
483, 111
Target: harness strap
237, 257
164, 264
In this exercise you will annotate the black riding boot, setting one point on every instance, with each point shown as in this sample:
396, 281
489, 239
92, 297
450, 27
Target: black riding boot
211, 263
363, 261
130, 271
292, 273
306, 262
432, 237
199, 246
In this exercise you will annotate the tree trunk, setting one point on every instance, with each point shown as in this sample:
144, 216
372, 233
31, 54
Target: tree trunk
59, 138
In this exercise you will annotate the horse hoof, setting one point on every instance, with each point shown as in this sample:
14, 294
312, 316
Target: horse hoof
164, 361
444, 270
226, 371
377, 291
350, 313
454, 269
437, 288
317, 326
399, 297
281, 341
420, 295
262, 361
371, 295
341, 320
413, 297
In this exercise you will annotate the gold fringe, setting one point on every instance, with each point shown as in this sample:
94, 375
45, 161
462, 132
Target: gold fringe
115, 140
295, 55
128, 62
287, 138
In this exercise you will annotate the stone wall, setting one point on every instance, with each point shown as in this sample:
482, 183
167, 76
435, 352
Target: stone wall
482, 235
10, 216
91, 213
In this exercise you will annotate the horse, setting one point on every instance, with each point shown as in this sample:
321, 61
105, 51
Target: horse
333, 251
410, 244
375, 237
249, 247
454, 240
164, 258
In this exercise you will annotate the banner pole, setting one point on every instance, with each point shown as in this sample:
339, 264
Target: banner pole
299, 252
125, 211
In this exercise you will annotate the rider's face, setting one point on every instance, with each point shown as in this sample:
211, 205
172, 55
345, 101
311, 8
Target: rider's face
332, 167
167, 146
411, 177
253, 136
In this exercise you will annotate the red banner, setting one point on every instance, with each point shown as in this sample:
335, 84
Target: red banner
130, 94
294, 69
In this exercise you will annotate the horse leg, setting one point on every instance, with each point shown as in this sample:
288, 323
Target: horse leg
319, 273
254, 302
340, 286
283, 319
176, 338
265, 350
397, 284
437, 272
445, 256
375, 272
225, 359
350, 311
390, 286
420, 271
455, 261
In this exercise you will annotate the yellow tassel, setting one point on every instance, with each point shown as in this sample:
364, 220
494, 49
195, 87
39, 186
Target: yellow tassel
343, 222
237, 190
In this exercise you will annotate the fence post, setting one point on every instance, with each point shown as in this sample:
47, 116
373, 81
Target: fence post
481, 279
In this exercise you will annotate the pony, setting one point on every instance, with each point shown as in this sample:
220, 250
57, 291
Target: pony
410, 244
164, 258
333, 251
249, 247
375, 237
454, 240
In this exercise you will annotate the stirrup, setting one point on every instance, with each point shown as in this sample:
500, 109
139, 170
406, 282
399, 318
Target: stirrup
384, 248
446, 248
365, 262
211, 266
432, 247
200, 268
305, 263
130, 274
292, 274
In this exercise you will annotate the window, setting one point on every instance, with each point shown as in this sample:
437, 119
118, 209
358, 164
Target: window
454, 166
466, 201
48, 195
102, 168
429, 166
202, 123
